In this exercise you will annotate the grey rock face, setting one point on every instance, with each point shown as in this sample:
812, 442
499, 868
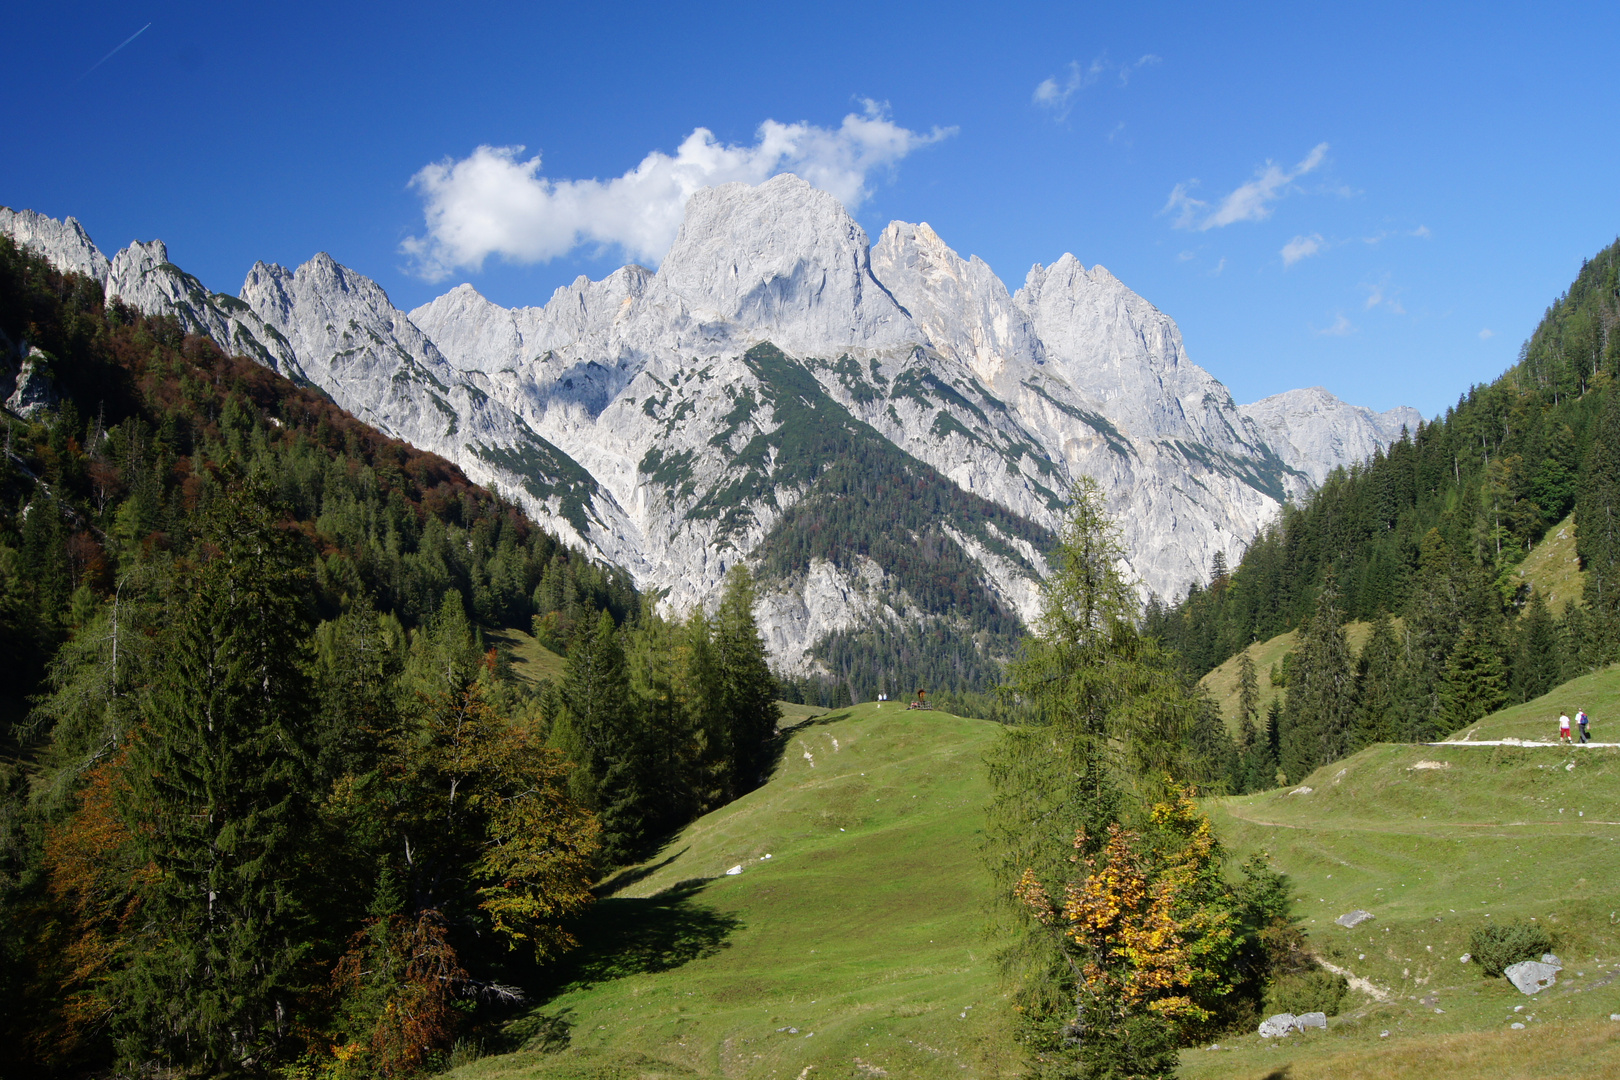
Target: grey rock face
34, 392
630, 415
1532, 976
784, 261
1315, 432
1351, 920
65, 243
1284, 1024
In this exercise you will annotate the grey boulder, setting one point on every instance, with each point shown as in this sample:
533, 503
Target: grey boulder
1532, 976
1351, 920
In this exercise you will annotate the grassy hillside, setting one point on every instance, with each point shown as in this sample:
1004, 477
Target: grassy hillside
530, 659
1223, 680
1553, 568
1597, 693
863, 928
1436, 841
856, 944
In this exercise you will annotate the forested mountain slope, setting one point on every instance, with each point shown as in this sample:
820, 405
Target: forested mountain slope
631, 416
265, 794
1434, 531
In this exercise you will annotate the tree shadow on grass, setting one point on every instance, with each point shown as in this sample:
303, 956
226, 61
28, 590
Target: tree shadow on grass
627, 877
623, 936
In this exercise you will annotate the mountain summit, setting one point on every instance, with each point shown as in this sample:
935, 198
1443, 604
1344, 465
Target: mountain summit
885, 433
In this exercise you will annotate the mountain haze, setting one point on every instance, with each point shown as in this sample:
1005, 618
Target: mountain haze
885, 432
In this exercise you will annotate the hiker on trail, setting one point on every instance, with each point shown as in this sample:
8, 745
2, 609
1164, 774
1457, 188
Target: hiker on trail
1581, 719
1563, 727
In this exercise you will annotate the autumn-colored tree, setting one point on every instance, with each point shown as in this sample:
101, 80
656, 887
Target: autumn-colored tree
399, 982
1148, 931
95, 879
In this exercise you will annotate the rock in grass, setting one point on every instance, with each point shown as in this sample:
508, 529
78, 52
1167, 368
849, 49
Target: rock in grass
1351, 920
1311, 1020
1277, 1026
1532, 976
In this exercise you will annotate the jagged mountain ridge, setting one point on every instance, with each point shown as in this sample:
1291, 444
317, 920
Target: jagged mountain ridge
629, 414
1315, 432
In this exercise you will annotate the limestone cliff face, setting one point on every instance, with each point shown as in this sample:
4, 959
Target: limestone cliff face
680, 421
1315, 432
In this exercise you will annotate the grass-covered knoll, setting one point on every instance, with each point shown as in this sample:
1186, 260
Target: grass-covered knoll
1222, 682
863, 930
1598, 693
1436, 842
1553, 569
530, 660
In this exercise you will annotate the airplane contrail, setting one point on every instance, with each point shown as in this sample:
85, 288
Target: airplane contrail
109, 56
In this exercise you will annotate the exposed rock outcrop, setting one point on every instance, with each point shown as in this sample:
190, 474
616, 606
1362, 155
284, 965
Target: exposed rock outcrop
644, 416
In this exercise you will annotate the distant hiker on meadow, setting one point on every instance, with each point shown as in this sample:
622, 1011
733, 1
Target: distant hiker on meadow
1563, 727
1582, 719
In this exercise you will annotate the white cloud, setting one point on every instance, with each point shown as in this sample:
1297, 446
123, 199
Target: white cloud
1248, 202
1341, 326
1218, 267
1486, 334
1058, 96
1183, 205
1381, 295
494, 202
1422, 232
1301, 247
1186, 256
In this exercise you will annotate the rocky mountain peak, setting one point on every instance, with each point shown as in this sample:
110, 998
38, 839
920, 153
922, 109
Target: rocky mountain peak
785, 260
960, 304
65, 242
1316, 432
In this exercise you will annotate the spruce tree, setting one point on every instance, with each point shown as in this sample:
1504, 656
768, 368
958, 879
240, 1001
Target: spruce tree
1538, 661
1597, 532
1248, 688
218, 802
1378, 685
1475, 683
747, 689
1318, 717
596, 705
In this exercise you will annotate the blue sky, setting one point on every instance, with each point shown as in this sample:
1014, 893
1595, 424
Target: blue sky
1377, 198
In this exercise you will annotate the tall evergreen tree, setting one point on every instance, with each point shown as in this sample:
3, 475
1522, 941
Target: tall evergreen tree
1538, 662
1319, 714
1378, 686
1597, 531
1476, 681
746, 698
1248, 688
596, 708
217, 802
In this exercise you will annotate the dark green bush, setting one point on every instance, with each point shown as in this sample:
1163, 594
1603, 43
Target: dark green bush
1501, 945
1305, 992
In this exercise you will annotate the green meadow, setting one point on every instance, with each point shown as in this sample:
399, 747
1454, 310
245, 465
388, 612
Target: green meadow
856, 948
851, 936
